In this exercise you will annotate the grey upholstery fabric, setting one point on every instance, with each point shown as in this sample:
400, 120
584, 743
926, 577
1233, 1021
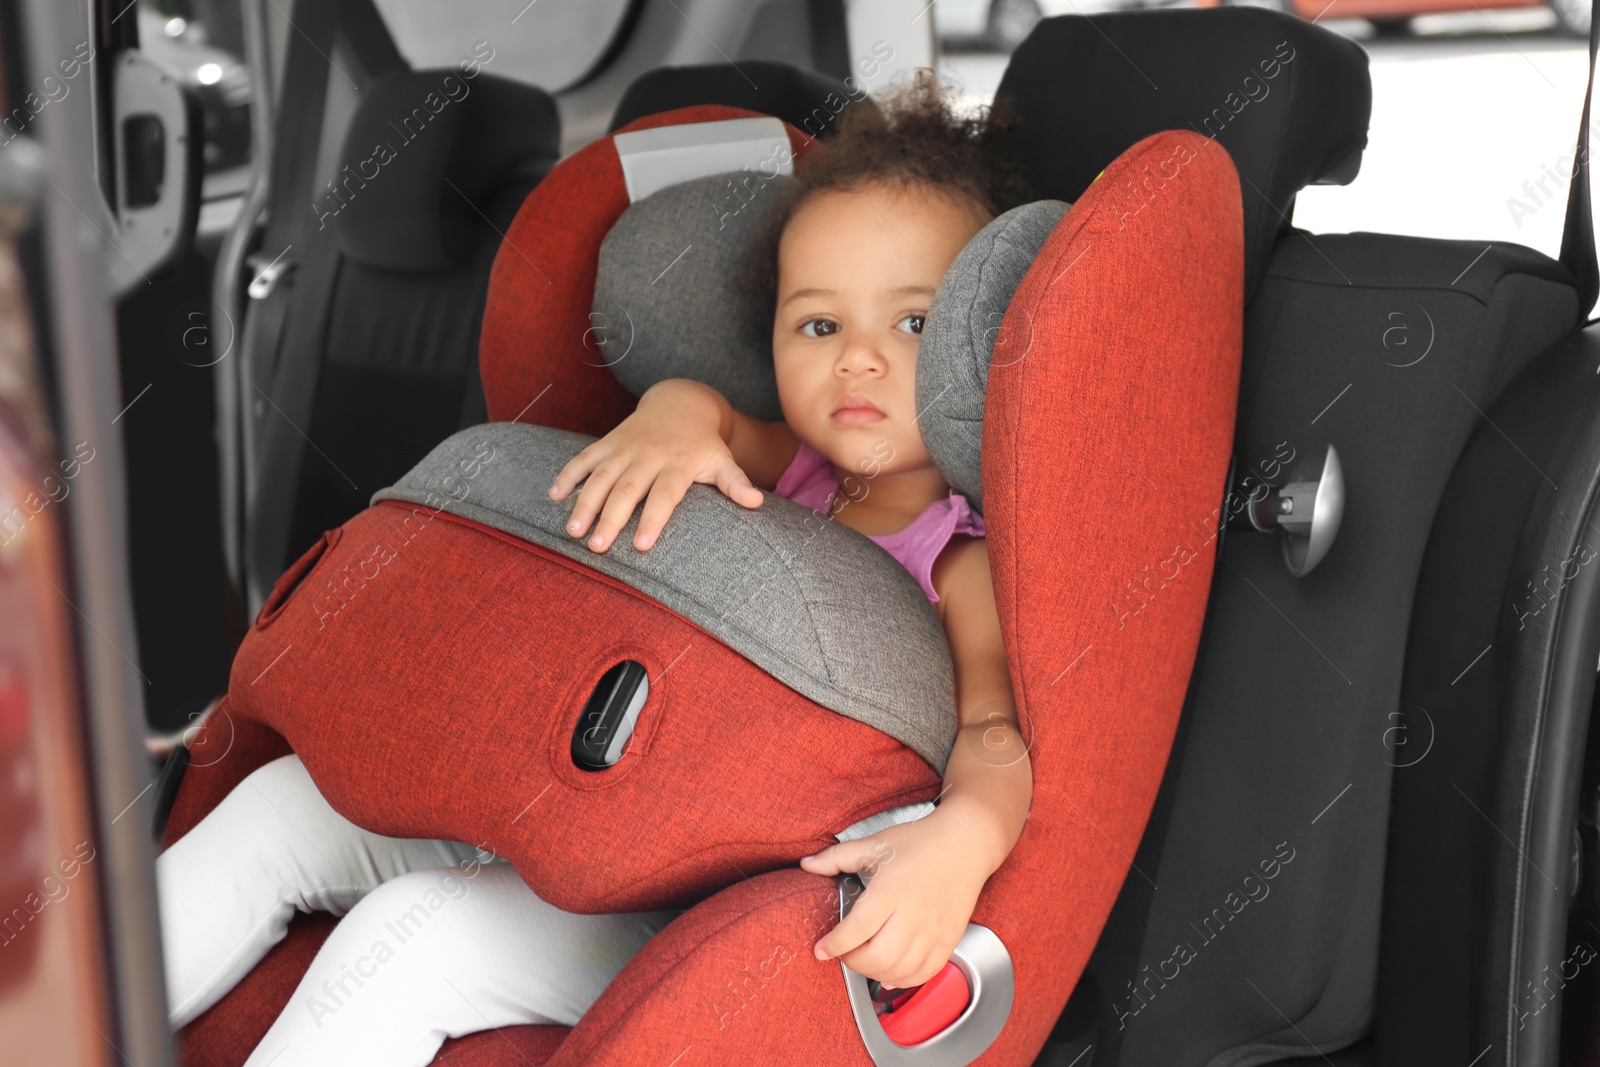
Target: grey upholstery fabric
671, 293
959, 335
812, 602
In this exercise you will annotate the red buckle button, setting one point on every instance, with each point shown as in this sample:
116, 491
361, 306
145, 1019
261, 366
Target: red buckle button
934, 1005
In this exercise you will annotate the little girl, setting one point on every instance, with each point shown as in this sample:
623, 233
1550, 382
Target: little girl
441, 940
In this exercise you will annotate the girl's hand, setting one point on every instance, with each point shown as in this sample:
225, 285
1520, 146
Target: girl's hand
676, 437
926, 877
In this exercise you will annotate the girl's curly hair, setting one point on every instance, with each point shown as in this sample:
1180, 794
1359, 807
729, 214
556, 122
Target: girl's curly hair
911, 137
916, 136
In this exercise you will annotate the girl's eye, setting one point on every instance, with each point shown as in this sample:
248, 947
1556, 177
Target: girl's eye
819, 327
911, 324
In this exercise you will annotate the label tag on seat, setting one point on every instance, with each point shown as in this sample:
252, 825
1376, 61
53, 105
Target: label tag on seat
666, 155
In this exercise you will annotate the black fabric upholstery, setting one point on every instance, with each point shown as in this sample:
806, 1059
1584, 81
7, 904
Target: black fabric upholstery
399, 376
1287, 99
806, 100
423, 150
402, 272
1287, 741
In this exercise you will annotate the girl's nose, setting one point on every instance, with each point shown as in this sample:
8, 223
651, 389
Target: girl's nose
860, 356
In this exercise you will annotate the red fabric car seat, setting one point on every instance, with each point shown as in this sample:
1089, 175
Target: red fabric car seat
1134, 307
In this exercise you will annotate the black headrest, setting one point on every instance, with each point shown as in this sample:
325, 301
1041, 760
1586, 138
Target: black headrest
1287, 99
426, 150
806, 100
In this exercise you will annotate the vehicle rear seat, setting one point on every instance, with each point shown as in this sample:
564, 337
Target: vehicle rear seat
377, 361
808, 101
1284, 760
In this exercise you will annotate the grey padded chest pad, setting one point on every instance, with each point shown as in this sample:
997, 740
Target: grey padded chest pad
818, 606
958, 338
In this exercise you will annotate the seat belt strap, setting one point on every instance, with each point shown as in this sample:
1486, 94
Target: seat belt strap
283, 357
297, 137
1577, 237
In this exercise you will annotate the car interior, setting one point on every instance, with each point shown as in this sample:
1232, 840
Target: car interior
1389, 702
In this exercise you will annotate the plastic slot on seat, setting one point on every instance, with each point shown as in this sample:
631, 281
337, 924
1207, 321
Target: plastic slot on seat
602, 731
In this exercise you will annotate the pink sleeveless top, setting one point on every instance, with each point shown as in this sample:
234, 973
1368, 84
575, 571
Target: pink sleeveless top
809, 482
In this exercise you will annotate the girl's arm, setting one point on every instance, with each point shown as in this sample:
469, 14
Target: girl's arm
682, 432
929, 873
988, 776
763, 450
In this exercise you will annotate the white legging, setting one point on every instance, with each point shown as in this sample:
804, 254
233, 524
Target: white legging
438, 939
434, 943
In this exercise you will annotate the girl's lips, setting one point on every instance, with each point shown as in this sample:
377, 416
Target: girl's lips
857, 416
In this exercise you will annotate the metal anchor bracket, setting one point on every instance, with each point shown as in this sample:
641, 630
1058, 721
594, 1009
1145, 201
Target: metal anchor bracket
1306, 510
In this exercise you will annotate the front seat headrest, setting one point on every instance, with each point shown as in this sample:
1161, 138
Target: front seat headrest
806, 100
425, 154
1288, 100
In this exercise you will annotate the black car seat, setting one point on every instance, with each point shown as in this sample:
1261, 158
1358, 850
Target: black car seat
807, 100
367, 358
1449, 376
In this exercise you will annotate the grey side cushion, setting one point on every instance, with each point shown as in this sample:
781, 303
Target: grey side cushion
958, 338
812, 602
672, 297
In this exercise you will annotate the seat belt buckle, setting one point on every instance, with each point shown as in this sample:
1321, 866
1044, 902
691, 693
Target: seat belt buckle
265, 273
948, 1021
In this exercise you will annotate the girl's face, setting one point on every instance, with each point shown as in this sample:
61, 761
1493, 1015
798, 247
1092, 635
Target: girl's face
857, 270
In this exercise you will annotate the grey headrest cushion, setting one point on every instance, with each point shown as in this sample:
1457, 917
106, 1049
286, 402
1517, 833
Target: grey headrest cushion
959, 335
671, 295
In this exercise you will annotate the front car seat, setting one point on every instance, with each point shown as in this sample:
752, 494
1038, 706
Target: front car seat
365, 359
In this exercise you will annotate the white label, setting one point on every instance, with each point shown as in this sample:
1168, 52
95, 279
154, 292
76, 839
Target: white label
667, 155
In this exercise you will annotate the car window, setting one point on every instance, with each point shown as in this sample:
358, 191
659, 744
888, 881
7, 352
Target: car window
202, 43
548, 43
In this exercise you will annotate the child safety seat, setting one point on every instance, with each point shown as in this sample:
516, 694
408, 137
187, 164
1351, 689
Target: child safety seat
462, 664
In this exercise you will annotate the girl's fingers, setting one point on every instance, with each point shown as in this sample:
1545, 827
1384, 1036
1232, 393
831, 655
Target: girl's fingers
665, 496
577, 468
918, 974
615, 482
592, 497
859, 933
630, 486
735, 484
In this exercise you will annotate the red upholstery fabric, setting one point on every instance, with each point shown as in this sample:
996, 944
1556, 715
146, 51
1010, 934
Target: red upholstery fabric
536, 341
731, 981
422, 704
1108, 424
